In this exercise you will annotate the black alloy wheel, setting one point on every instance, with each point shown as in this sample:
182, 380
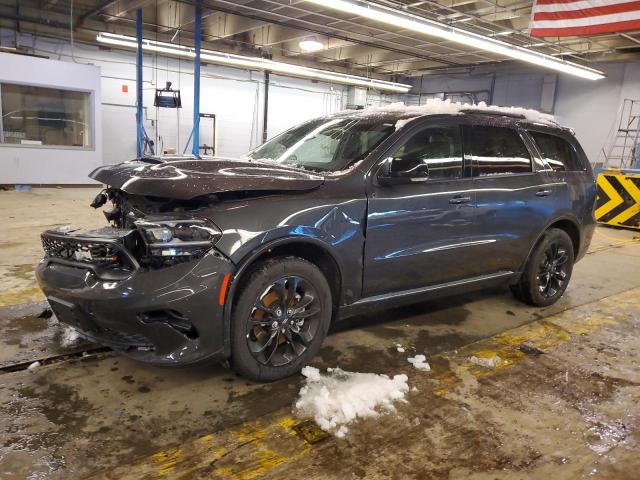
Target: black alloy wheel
283, 322
280, 318
548, 270
552, 271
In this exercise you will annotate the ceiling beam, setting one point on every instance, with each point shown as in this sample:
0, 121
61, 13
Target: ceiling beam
317, 29
224, 25
270, 35
291, 48
95, 11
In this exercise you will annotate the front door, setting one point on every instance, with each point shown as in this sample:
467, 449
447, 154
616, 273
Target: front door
421, 212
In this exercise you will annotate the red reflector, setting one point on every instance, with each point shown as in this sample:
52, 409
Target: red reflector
223, 288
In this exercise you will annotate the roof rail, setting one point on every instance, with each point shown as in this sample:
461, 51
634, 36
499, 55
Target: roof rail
495, 113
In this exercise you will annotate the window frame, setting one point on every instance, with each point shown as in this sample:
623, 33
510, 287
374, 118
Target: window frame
91, 116
417, 125
467, 126
562, 136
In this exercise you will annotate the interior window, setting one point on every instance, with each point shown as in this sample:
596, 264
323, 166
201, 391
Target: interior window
497, 150
434, 152
45, 116
557, 152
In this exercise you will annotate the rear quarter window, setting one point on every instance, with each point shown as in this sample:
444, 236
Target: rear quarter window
557, 152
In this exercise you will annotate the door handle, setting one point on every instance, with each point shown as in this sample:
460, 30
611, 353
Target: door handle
544, 193
459, 199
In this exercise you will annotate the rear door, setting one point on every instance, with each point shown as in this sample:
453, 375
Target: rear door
514, 195
570, 169
421, 212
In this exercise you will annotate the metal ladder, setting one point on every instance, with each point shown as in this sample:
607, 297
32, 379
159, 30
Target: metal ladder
622, 141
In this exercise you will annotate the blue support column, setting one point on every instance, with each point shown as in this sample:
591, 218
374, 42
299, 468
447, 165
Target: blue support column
139, 124
196, 81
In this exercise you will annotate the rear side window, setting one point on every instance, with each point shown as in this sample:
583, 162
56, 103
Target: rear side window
496, 150
557, 152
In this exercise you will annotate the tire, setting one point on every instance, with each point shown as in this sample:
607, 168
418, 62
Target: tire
548, 270
261, 351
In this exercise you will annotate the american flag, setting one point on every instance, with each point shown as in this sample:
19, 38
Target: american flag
565, 18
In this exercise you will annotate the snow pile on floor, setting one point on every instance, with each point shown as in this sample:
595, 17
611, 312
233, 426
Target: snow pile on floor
435, 106
419, 362
400, 348
34, 366
338, 398
489, 362
70, 337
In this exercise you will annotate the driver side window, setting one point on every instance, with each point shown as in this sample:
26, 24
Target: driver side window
432, 152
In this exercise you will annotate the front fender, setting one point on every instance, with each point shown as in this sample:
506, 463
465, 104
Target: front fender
290, 237
251, 228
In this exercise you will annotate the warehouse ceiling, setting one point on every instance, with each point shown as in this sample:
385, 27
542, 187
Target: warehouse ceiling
275, 28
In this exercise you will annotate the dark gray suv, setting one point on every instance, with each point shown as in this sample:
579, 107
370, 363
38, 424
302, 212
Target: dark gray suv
251, 260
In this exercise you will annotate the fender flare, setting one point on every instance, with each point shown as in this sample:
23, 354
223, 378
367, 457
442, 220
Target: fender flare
541, 235
247, 261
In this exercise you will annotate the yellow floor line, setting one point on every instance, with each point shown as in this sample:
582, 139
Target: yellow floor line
243, 452
14, 297
543, 335
255, 448
618, 240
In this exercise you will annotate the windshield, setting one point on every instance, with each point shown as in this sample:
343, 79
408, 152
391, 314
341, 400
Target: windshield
325, 144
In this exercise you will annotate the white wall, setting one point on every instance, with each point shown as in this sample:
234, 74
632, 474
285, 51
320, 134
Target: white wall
39, 164
589, 107
522, 89
234, 96
289, 102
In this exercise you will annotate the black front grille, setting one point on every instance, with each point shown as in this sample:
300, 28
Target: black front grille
123, 339
117, 339
103, 254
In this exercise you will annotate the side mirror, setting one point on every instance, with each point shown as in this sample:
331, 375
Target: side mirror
387, 177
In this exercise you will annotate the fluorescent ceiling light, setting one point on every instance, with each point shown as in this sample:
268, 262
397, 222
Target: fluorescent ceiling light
310, 45
252, 63
415, 23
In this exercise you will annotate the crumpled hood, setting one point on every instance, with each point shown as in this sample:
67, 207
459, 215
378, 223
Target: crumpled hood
188, 178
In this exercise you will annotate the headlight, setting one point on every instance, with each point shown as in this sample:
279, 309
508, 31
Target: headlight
184, 238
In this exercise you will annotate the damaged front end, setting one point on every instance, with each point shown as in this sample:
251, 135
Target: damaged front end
127, 208
153, 284
159, 232
146, 286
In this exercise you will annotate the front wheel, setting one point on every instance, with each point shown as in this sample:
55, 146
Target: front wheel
280, 319
548, 271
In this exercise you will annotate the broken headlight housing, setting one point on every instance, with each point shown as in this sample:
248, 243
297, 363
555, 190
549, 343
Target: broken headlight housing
170, 241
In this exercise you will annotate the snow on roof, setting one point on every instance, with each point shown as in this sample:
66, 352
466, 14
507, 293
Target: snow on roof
435, 106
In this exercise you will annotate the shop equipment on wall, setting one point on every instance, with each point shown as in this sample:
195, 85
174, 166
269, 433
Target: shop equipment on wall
620, 148
618, 202
167, 97
618, 182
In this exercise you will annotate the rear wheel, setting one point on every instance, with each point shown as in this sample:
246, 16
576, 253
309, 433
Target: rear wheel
280, 319
548, 271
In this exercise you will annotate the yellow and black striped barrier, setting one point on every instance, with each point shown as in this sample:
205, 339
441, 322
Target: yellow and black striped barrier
618, 198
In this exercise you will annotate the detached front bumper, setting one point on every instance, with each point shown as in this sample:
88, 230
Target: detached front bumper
166, 316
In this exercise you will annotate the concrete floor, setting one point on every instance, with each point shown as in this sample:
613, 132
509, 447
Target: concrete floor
571, 412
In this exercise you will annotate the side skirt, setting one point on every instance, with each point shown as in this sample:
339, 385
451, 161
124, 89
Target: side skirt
394, 299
